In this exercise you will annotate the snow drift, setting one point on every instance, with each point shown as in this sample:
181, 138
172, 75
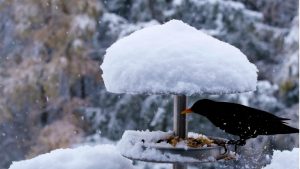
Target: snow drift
84, 157
284, 159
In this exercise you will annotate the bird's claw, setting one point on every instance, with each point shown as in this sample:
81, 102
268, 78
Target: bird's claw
225, 149
221, 143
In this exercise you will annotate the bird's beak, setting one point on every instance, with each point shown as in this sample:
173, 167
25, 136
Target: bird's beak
186, 111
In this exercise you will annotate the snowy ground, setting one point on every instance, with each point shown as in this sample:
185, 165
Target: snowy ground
284, 159
85, 157
105, 156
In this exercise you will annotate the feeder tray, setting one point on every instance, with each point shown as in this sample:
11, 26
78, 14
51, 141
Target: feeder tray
166, 153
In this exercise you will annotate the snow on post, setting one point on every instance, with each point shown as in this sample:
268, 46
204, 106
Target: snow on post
175, 58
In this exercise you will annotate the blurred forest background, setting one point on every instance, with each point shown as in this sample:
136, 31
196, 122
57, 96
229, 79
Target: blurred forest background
52, 94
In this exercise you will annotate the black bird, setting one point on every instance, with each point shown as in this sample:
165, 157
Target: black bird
243, 121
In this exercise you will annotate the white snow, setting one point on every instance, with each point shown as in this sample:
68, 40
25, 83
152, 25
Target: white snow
85, 157
177, 2
284, 159
157, 117
229, 3
121, 27
175, 58
142, 145
84, 22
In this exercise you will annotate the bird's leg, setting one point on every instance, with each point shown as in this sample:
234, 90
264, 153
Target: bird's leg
235, 148
236, 143
225, 149
233, 142
221, 143
241, 142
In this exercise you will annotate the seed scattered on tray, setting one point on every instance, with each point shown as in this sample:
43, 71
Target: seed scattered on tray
190, 141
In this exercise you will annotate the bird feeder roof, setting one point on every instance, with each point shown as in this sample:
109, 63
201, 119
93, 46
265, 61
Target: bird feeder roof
175, 58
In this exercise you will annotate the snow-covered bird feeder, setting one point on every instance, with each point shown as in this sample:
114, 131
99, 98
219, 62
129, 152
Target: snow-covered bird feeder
174, 58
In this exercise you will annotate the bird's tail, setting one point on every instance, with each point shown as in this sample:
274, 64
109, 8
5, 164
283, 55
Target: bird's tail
288, 130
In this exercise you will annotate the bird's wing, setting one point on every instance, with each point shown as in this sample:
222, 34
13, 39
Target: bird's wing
242, 110
245, 121
263, 122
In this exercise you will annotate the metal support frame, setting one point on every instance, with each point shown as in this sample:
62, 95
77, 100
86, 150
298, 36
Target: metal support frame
180, 122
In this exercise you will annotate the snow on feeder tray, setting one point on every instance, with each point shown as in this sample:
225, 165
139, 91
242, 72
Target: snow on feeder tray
174, 58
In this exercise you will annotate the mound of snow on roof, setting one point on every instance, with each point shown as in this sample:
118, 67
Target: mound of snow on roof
284, 159
85, 157
176, 58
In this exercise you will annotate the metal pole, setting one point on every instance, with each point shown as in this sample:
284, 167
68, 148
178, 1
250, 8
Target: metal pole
180, 123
